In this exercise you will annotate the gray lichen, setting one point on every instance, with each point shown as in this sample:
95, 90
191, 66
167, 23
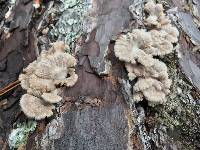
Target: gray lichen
136, 9
19, 136
70, 25
54, 130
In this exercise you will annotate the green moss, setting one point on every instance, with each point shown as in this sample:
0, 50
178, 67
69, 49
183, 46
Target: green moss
181, 112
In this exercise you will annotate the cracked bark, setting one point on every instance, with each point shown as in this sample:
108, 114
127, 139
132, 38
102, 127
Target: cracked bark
98, 112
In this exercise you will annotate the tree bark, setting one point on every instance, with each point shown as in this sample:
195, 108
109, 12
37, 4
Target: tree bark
99, 112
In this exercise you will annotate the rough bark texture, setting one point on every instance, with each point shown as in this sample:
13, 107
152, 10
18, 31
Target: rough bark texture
99, 112
16, 52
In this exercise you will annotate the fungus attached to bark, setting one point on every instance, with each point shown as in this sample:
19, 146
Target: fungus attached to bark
152, 89
138, 48
43, 77
156, 17
129, 47
34, 107
51, 97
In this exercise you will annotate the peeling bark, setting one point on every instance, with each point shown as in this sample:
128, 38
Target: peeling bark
98, 112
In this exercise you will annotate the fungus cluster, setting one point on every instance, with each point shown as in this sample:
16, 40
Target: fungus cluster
43, 78
138, 50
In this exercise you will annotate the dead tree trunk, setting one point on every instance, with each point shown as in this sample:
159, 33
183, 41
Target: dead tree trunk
99, 112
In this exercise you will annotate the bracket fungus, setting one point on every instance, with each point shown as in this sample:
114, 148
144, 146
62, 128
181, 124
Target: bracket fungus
158, 19
138, 50
43, 78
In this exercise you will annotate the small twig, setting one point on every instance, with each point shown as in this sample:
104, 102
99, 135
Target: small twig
9, 87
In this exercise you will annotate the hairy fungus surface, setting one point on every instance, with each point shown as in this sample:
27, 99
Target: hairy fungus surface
158, 19
34, 107
43, 77
138, 50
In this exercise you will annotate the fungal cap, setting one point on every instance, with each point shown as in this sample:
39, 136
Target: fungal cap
153, 90
138, 96
55, 66
33, 107
51, 97
23, 78
128, 47
43, 85
30, 68
59, 46
130, 69
145, 59
172, 33
155, 14
123, 48
146, 83
154, 96
69, 81
41, 79
161, 44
